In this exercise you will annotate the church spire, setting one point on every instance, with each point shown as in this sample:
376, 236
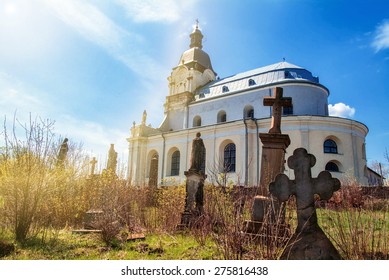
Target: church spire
196, 37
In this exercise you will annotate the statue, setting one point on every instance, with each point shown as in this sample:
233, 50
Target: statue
112, 159
144, 116
197, 154
63, 151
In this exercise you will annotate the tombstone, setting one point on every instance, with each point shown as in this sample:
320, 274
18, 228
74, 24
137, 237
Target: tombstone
274, 145
153, 175
92, 218
309, 242
63, 151
112, 160
93, 166
195, 177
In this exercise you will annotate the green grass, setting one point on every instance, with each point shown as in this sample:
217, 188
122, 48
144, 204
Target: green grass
68, 246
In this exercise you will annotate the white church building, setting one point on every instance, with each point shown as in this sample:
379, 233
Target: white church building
229, 113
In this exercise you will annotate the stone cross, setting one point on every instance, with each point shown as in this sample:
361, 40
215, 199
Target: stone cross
277, 102
309, 241
93, 166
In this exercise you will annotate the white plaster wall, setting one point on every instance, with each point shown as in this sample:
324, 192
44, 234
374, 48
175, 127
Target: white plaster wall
307, 99
309, 132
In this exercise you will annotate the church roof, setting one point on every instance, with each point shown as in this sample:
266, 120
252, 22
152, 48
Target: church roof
264, 76
196, 55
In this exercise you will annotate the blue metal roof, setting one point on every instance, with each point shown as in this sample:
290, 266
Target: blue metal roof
278, 72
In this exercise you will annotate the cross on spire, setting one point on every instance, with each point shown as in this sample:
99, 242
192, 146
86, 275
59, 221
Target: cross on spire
277, 102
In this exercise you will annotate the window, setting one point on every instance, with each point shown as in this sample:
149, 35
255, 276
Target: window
221, 117
251, 82
175, 167
196, 121
229, 157
248, 112
287, 110
225, 89
330, 147
332, 166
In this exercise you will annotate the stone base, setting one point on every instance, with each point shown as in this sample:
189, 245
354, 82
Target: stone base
273, 158
265, 233
310, 244
92, 217
86, 231
267, 209
186, 218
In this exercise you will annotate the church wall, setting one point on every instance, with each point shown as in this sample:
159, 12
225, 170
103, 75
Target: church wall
318, 129
306, 98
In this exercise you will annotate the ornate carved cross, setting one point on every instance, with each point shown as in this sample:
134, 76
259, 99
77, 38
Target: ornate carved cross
304, 187
277, 102
309, 242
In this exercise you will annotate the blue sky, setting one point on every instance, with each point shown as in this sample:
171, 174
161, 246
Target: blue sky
93, 66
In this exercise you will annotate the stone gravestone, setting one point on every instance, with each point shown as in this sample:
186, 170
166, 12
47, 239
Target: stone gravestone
63, 151
274, 145
309, 242
195, 178
112, 160
93, 166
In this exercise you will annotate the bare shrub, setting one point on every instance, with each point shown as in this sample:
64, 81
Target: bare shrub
359, 227
350, 195
170, 205
25, 174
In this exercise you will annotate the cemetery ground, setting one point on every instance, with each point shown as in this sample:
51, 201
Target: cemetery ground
357, 225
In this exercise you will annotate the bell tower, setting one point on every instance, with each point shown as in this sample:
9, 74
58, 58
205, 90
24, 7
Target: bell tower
193, 71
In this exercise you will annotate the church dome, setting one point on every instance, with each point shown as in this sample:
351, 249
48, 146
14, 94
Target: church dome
195, 57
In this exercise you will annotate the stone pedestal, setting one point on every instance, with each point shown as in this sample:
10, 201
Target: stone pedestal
194, 201
273, 158
266, 209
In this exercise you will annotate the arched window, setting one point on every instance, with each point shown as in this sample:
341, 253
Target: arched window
196, 121
330, 147
332, 166
248, 112
225, 89
221, 117
230, 157
251, 82
175, 166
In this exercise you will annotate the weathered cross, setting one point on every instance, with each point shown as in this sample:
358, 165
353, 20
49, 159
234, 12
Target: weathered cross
93, 165
277, 102
304, 187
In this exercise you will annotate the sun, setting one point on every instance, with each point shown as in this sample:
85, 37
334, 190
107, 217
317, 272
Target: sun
9, 8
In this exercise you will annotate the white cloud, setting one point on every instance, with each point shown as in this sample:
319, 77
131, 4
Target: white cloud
341, 110
22, 100
16, 98
96, 139
381, 38
95, 26
156, 10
